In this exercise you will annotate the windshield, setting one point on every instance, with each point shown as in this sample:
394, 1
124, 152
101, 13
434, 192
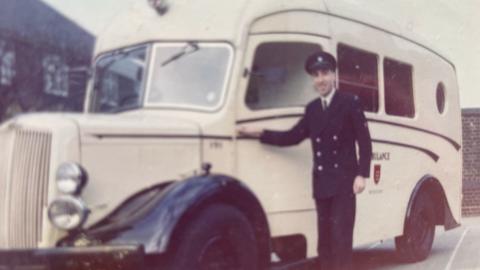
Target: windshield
182, 75
189, 75
119, 81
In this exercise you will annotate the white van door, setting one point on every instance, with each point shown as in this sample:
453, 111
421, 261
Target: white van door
272, 95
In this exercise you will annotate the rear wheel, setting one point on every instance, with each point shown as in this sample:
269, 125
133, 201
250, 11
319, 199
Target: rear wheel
218, 237
416, 242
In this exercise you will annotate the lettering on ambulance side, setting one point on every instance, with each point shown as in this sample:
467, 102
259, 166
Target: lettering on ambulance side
383, 156
377, 169
216, 145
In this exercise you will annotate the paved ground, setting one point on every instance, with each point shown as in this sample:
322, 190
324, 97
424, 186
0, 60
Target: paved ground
458, 249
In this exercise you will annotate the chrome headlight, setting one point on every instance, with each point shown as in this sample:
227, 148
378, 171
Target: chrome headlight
71, 178
67, 213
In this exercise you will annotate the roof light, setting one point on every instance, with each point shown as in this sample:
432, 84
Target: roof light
161, 6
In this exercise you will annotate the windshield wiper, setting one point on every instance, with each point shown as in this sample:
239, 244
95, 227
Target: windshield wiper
189, 48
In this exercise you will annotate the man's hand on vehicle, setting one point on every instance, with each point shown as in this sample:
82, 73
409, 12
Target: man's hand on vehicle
249, 131
359, 184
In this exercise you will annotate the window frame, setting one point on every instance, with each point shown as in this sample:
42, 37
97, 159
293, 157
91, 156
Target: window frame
11, 73
92, 91
412, 76
173, 106
379, 74
244, 98
442, 86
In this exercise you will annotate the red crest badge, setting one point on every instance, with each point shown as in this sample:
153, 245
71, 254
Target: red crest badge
377, 172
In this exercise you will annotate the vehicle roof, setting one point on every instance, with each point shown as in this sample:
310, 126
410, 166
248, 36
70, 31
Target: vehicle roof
221, 20
193, 20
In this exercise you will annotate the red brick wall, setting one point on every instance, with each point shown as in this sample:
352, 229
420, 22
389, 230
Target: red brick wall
471, 161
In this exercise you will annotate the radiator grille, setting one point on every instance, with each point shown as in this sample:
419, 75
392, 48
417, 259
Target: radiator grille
27, 188
5, 154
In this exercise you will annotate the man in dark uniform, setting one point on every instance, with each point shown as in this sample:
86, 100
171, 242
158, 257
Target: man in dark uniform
334, 122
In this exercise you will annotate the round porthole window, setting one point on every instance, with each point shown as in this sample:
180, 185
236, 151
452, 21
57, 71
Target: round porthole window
440, 97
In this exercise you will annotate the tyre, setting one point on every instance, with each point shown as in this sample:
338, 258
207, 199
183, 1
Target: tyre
217, 238
416, 242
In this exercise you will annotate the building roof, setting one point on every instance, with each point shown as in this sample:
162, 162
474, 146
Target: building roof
471, 111
34, 22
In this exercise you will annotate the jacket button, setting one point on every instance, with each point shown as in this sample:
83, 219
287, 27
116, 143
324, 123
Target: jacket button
318, 140
334, 152
335, 165
320, 168
335, 137
319, 154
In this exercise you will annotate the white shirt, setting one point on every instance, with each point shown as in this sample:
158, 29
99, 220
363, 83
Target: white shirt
328, 98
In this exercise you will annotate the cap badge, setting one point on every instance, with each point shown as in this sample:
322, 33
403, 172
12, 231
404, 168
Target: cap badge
320, 59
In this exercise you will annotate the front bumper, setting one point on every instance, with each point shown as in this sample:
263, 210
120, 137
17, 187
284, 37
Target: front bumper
75, 258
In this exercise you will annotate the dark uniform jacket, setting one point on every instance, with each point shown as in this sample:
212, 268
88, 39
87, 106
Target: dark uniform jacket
333, 134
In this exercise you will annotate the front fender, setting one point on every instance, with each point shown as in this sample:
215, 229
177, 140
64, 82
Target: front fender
170, 208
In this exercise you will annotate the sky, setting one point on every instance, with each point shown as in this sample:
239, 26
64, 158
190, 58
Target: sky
451, 26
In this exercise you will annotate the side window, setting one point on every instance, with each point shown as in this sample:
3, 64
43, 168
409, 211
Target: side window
7, 63
55, 75
358, 74
440, 97
278, 78
398, 88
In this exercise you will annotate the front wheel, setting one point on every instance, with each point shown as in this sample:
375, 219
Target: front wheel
416, 242
218, 237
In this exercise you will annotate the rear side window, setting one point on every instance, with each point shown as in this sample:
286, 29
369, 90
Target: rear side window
440, 97
278, 78
358, 74
398, 88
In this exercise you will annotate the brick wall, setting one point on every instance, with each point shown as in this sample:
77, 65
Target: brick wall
471, 161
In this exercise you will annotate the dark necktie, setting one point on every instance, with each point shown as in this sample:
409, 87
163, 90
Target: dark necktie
324, 105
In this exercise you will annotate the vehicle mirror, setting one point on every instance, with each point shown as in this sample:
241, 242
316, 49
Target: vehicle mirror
85, 71
79, 76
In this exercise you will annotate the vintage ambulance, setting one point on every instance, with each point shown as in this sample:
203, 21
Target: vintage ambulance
153, 174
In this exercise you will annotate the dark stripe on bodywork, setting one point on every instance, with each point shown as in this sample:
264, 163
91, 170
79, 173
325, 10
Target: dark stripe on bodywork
455, 144
429, 153
160, 136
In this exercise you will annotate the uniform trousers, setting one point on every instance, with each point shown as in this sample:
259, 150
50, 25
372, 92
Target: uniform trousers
336, 218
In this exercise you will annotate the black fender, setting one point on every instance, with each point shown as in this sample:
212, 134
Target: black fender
443, 213
152, 218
